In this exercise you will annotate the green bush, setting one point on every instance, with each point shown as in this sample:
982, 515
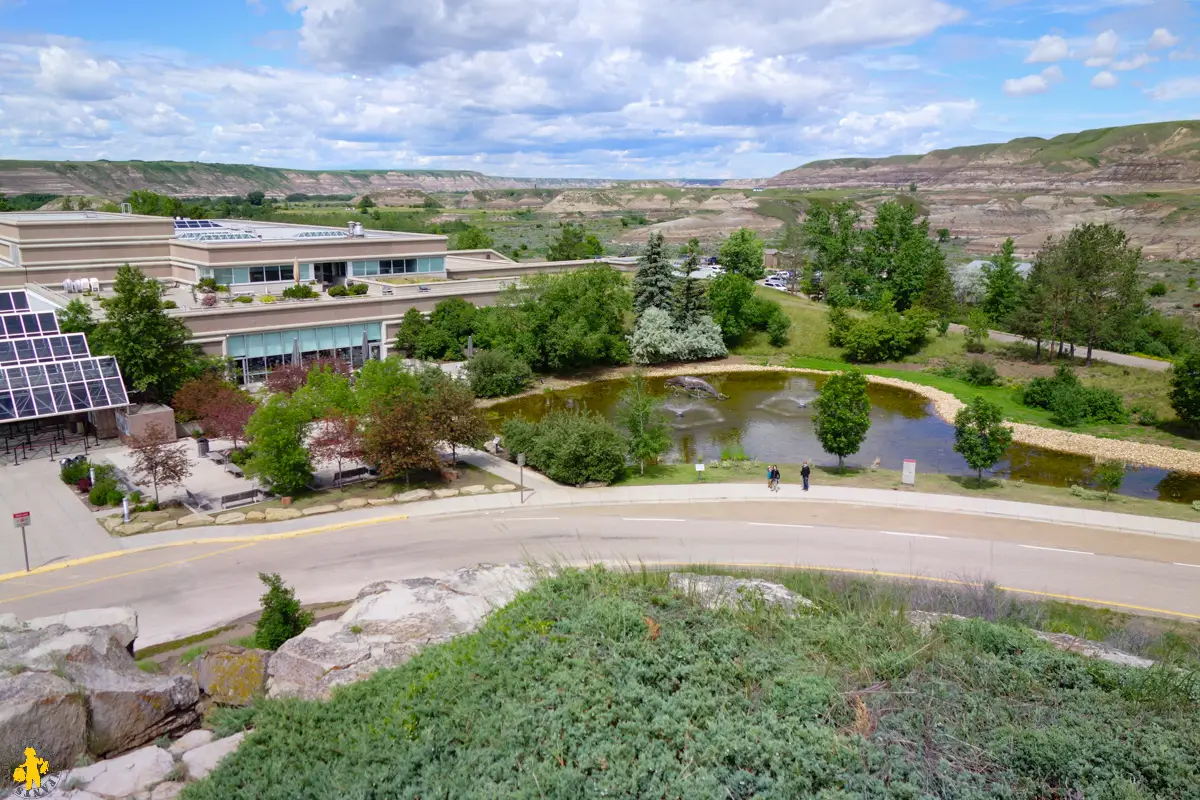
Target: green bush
243, 298
281, 618
1157, 289
1072, 403
885, 337
301, 291
74, 473
338, 291
1144, 415
778, 328
570, 447
241, 456
981, 373
1068, 405
103, 490
497, 373
169, 304
358, 289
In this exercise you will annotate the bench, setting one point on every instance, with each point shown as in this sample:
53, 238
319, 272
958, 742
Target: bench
242, 294
234, 470
197, 501
216, 457
240, 498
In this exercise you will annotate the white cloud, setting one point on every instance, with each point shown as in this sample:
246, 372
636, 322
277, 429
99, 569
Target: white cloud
1162, 39
75, 76
1033, 84
1104, 80
1137, 62
908, 129
1047, 49
1103, 50
1177, 89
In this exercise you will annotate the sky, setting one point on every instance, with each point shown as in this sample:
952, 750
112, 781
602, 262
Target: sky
578, 88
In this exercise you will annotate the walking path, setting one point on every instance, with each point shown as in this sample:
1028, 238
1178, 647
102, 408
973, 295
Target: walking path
1121, 359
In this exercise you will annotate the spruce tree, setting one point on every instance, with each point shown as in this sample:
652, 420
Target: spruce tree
1003, 284
691, 301
653, 285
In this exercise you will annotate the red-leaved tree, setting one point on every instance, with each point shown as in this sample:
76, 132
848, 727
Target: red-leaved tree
226, 414
336, 438
453, 417
195, 395
288, 378
398, 436
159, 458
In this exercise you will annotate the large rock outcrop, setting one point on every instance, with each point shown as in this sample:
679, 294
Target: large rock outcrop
388, 623
77, 669
724, 591
233, 675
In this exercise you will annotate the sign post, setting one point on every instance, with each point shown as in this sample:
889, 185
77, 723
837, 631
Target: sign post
21, 520
909, 476
521, 465
699, 470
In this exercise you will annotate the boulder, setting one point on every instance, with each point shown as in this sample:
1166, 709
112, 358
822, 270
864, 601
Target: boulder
231, 518
190, 741
232, 675
415, 494
387, 624
724, 591
169, 525
194, 520
323, 509
120, 621
134, 528
111, 524
475, 489
124, 776
255, 516
167, 790
203, 760
442, 494
152, 516
280, 514
9, 622
1086, 647
353, 502
44, 708
504, 487
381, 501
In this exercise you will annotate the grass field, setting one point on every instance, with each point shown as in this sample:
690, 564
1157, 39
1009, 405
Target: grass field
605, 684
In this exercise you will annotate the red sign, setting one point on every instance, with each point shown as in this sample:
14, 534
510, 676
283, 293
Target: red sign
21, 519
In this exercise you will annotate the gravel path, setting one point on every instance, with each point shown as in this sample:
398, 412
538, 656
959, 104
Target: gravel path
946, 406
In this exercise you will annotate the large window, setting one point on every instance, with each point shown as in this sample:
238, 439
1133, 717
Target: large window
398, 266
256, 354
240, 275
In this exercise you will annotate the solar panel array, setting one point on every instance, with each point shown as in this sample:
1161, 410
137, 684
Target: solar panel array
194, 224
44, 372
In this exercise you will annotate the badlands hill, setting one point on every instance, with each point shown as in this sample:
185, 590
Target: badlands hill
1159, 155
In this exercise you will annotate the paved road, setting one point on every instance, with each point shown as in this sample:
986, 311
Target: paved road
1121, 359
186, 589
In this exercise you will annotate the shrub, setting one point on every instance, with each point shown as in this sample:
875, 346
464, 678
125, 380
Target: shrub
102, 490
266, 298
358, 289
1157, 289
885, 337
497, 373
1103, 405
301, 291
777, 329
208, 285
84, 484
169, 304
114, 497
840, 323
1144, 415
241, 456
569, 447
1068, 405
981, 373
74, 472
338, 291
282, 618
656, 339
208, 301
1070, 402
244, 298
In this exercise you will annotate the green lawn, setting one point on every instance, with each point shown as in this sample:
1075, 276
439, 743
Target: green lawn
604, 684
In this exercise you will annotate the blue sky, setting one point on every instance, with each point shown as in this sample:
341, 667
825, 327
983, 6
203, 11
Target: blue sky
584, 88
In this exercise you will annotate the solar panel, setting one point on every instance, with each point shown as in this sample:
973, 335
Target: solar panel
43, 372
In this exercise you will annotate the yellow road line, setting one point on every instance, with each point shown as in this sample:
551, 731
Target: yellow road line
263, 537
126, 574
881, 574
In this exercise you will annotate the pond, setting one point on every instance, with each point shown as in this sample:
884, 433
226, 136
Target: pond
768, 416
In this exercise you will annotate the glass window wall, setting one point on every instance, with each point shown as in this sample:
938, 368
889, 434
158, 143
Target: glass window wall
256, 354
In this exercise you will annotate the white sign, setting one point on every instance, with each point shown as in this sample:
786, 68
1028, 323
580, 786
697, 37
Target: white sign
909, 476
21, 519
700, 467
520, 459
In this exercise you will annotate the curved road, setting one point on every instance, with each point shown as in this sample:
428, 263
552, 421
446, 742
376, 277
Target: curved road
182, 590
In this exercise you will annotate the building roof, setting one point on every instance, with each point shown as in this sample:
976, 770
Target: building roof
977, 266
243, 230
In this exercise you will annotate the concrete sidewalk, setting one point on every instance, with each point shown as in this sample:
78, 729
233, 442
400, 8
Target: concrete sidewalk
560, 496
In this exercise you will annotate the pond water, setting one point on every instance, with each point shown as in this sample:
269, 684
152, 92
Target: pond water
768, 416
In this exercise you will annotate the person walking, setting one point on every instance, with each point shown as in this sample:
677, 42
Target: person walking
805, 471
777, 479
770, 477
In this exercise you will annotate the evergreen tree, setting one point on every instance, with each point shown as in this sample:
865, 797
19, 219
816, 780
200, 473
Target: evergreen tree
151, 347
1185, 388
937, 297
691, 300
1002, 292
654, 283
843, 414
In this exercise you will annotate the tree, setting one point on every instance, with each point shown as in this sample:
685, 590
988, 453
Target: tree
76, 318
572, 447
497, 373
192, 400
690, 302
980, 435
641, 415
574, 244
379, 381
1185, 388
742, 254
151, 347
158, 458
977, 330
398, 436
255, 198
409, 333
1002, 284
654, 283
1109, 477
227, 413
655, 338
937, 297
282, 618
365, 204
473, 238
327, 390
943, 235
453, 417
1104, 266
729, 295
843, 414
336, 438
453, 319
277, 432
